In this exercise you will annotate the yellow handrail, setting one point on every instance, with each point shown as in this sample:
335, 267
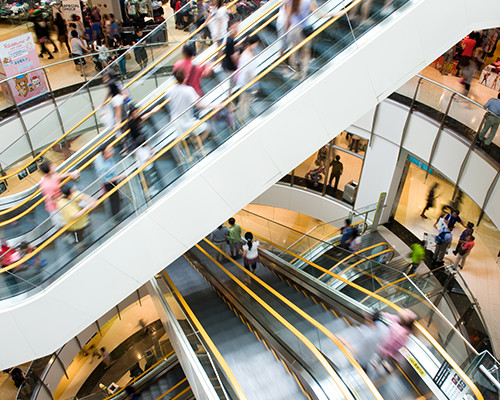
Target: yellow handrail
173, 388
313, 349
178, 395
115, 129
181, 137
308, 318
141, 375
395, 307
215, 351
355, 254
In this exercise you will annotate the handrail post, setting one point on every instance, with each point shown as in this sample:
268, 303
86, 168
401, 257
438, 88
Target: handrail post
408, 117
58, 113
23, 124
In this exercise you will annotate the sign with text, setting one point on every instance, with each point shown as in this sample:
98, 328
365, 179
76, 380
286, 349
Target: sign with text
17, 56
70, 7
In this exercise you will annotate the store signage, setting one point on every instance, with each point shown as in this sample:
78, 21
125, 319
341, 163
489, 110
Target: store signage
450, 383
420, 164
18, 56
70, 7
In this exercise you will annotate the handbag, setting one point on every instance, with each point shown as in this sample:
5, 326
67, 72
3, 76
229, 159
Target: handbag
462, 251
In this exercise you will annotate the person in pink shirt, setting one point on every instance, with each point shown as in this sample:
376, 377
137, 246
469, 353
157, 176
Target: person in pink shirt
192, 72
463, 251
468, 44
399, 330
50, 188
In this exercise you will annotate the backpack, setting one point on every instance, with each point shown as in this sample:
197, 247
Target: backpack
441, 238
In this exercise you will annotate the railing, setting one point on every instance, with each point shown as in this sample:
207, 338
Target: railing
394, 285
451, 110
414, 299
74, 110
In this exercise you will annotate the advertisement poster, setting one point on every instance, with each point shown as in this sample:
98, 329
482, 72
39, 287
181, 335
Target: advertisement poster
67, 8
19, 55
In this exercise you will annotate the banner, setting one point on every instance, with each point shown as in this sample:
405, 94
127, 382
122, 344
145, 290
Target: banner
19, 55
70, 7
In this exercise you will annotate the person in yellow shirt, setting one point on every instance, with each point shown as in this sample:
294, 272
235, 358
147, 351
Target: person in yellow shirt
73, 206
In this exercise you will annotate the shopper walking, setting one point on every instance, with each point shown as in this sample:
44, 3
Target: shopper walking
347, 232
337, 170
108, 174
355, 243
443, 241
250, 254
231, 53
417, 255
217, 23
234, 237
247, 71
43, 36
219, 238
192, 72
73, 211
468, 231
62, 31
431, 199
140, 53
50, 189
491, 122
464, 251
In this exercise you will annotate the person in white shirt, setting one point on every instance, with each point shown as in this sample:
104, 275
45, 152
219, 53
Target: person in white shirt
217, 22
182, 98
355, 244
78, 49
250, 254
246, 72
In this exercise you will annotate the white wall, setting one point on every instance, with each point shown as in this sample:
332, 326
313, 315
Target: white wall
212, 191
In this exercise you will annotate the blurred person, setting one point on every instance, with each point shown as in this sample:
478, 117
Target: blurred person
43, 36
431, 199
62, 31
140, 53
182, 101
25, 249
464, 251
106, 170
17, 375
491, 121
117, 44
468, 231
468, 44
115, 27
452, 218
234, 237
219, 238
250, 254
106, 357
443, 241
116, 102
347, 232
247, 71
355, 243
50, 188
9, 255
131, 395
371, 332
231, 53
75, 19
417, 255
217, 22
102, 50
73, 207
192, 72
400, 329
337, 170
143, 154
78, 49
96, 22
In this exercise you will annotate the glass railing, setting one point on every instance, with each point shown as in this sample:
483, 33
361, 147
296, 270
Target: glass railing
143, 183
436, 332
31, 209
75, 119
454, 111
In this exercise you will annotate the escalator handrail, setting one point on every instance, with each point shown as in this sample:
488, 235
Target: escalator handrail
395, 307
122, 124
173, 388
364, 259
307, 317
142, 375
355, 254
310, 346
104, 71
210, 344
182, 137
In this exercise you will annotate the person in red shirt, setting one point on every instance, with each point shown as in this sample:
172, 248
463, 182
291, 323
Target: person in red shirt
468, 44
464, 251
192, 72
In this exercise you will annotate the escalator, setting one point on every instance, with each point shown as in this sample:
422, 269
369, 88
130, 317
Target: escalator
228, 327
154, 215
